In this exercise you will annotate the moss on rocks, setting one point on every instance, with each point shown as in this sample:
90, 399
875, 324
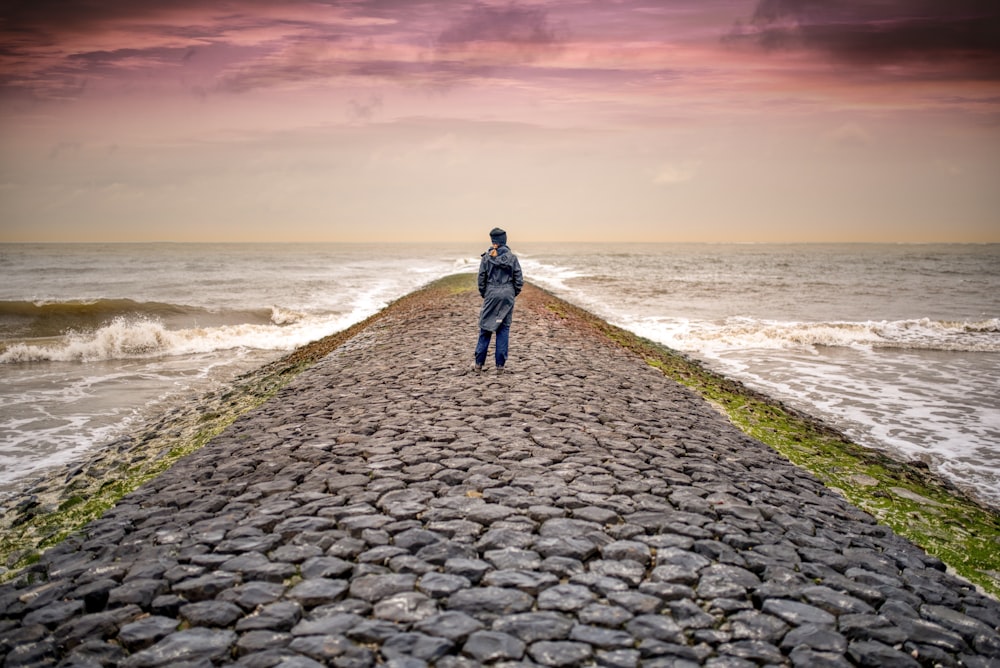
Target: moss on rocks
935, 515
929, 511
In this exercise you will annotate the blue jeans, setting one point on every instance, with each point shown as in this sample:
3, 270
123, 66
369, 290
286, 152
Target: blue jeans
503, 340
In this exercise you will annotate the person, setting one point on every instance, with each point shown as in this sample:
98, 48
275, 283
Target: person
500, 282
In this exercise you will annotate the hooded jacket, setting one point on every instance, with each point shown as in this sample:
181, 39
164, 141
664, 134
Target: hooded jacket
500, 281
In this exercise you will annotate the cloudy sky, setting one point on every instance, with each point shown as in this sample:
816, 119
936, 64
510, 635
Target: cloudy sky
582, 120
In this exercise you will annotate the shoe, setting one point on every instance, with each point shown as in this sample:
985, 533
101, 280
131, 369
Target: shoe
477, 368
499, 370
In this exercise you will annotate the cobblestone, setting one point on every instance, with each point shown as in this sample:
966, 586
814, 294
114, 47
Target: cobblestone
390, 507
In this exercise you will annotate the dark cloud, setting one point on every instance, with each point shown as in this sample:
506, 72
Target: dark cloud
960, 36
526, 32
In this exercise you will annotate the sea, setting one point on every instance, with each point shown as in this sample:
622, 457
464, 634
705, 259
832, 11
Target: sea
896, 345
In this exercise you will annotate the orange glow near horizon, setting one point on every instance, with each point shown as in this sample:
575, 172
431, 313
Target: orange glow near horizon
584, 121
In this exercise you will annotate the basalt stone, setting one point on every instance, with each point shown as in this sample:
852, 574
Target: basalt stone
145, 632
627, 549
490, 601
442, 552
873, 654
871, 627
596, 515
54, 614
211, 613
618, 658
655, 627
318, 591
278, 616
455, 529
252, 594
472, 569
406, 563
97, 625
414, 539
567, 598
819, 638
255, 642
261, 544
440, 585
382, 552
534, 626
636, 602
513, 558
689, 615
610, 616
190, 646
206, 586
501, 538
288, 528
796, 613
145, 570
374, 631
528, 581
630, 572
601, 637
139, 592
405, 608
605, 585
94, 654
754, 625
673, 655
295, 554
757, 651
572, 547
346, 548
416, 645
968, 627
40, 653
723, 581
255, 566
325, 649
666, 591
935, 635
488, 646
455, 626
567, 527
376, 587
183, 572
560, 653
804, 657
835, 602
337, 624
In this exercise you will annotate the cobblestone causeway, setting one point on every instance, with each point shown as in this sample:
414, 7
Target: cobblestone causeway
389, 506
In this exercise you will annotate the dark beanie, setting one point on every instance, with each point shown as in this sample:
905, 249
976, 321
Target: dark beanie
498, 236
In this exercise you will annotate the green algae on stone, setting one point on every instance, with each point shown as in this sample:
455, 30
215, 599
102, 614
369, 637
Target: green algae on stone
60, 504
935, 515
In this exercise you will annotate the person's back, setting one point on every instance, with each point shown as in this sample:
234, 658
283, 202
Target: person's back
500, 281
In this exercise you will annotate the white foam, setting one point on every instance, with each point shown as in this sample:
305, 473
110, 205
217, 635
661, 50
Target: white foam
739, 333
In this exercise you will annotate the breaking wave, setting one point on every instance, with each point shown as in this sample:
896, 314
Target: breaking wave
39, 319
110, 329
742, 333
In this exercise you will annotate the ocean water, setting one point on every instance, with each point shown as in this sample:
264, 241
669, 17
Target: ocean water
896, 345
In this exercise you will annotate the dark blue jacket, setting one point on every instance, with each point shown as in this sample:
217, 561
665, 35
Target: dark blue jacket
500, 281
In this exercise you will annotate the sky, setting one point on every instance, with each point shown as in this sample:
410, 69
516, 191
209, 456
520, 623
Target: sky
558, 120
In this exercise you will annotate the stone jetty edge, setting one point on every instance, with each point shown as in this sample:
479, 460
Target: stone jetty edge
943, 519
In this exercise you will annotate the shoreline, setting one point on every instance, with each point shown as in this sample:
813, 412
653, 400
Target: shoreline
931, 512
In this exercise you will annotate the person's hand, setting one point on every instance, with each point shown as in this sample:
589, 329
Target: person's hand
493, 252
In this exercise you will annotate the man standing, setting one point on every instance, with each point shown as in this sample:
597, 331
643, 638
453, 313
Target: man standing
500, 281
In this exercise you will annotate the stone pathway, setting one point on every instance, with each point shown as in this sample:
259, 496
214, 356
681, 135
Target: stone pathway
390, 506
